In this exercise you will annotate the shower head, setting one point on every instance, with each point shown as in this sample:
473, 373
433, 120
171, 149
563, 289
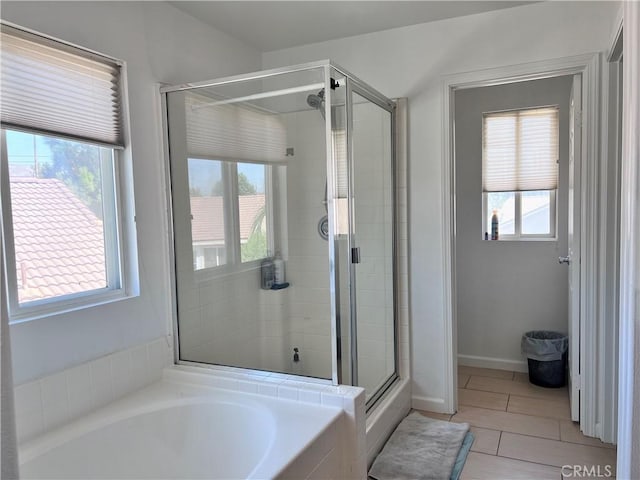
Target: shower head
317, 101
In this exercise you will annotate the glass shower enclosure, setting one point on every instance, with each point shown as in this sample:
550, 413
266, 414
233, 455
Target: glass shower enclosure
282, 198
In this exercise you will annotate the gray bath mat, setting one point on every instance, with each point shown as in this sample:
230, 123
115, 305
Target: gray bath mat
462, 455
420, 448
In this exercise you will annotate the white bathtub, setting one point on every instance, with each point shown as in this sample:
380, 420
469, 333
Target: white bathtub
177, 431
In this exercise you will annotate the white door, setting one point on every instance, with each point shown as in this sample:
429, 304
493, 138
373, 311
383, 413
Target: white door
573, 258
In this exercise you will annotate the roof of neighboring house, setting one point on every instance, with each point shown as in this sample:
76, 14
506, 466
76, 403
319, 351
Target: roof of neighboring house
59, 242
208, 217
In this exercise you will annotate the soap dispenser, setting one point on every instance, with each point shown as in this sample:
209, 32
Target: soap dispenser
278, 264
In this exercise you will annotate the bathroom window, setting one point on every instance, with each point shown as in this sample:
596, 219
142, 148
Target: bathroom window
520, 173
61, 143
230, 213
209, 224
253, 215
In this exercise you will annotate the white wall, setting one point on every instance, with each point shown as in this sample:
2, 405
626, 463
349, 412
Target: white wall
505, 288
159, 44
410, 62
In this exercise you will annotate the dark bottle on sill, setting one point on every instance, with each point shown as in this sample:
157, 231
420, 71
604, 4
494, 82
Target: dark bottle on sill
494, 225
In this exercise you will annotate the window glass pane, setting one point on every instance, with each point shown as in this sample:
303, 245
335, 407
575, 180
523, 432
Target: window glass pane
536, 208
208, 231
252, 211
504, 204
58, 205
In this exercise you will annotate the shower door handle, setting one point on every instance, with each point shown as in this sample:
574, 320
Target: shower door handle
566, 260
355, 255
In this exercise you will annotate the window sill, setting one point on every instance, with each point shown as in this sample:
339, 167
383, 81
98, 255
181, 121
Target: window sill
212, 273
523, 239
73, 304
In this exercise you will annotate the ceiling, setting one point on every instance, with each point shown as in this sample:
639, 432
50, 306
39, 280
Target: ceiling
273, 25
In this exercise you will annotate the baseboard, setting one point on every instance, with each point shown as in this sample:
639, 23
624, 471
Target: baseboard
429, 404
489, 362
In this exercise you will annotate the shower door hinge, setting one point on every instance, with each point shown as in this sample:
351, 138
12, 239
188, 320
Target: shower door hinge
355, 255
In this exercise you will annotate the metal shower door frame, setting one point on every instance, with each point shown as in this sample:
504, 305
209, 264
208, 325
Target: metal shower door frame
353, 84
356, 86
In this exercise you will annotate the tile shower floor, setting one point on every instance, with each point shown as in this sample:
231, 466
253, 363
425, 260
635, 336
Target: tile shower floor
522, 431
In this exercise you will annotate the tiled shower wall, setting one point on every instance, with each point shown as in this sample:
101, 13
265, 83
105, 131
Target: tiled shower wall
233, 322
307, 261
219, 320
373, 232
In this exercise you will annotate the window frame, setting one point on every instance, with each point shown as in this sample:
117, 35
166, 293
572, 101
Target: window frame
518, 235
231, 212
125, 269
114, 246
553, 199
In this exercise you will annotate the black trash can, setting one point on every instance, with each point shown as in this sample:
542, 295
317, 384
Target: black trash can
547, 357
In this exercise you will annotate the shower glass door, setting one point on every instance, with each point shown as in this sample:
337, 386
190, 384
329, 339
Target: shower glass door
373, 344
248, 178
293, 167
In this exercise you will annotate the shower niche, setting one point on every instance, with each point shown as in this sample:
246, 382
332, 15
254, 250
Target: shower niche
294, 164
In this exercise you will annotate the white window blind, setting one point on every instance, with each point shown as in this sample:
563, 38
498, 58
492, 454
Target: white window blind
520, 150
233, 132
53, 88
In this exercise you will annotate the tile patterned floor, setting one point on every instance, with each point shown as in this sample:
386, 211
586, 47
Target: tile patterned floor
523, 431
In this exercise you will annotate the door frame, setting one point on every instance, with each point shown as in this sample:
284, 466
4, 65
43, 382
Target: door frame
629, 347
610, 238
589, 66
573, 244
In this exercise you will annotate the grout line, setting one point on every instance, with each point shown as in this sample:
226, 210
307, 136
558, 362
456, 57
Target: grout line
517, 433
529, 461
517, 394
556, 399
499, 441
495, 409
534, 415
547, 438
524, 461
518, 413
604, 447
484, 428
560, 427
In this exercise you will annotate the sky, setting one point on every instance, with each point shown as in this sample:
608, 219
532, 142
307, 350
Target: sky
22, 148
